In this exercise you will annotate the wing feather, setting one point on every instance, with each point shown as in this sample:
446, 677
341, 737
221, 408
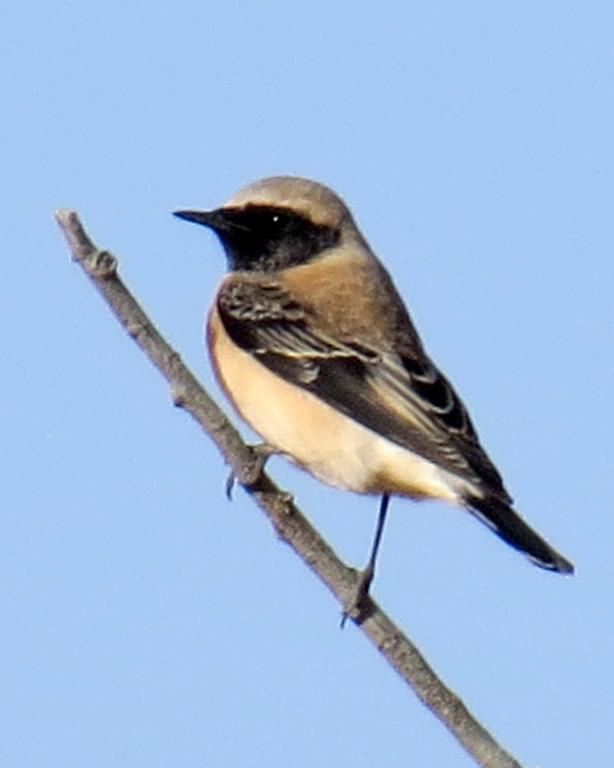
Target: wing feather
403, 397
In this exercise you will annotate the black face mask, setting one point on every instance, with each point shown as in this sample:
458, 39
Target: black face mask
265, 238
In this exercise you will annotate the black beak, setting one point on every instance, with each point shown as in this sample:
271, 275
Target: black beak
219, 220
207, 218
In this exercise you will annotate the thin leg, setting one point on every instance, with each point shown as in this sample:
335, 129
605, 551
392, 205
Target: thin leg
381, 519
353, 607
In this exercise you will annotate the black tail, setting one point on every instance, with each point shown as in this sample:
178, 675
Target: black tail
508, 524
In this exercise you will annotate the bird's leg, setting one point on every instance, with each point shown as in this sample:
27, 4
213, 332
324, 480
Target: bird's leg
262, 452
354, 607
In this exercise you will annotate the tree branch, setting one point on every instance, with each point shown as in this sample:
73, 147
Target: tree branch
286, 518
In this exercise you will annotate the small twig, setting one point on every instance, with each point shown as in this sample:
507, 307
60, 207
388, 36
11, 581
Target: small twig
288, 521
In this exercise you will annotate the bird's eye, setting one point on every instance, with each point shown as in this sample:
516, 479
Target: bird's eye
276, 218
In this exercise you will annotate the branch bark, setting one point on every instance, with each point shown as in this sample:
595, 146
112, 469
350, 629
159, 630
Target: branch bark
287, 520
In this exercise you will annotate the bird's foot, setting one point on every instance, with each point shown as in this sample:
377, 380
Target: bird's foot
261, 453
357, 605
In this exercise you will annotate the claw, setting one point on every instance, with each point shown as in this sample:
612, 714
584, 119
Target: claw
229, 485
261, 452
356, 606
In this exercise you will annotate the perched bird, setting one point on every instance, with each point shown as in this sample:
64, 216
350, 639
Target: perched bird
315, 349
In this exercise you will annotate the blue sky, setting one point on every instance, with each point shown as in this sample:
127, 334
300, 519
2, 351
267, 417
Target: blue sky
146, 621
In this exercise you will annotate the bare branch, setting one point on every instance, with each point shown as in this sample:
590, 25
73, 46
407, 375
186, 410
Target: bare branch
286, 518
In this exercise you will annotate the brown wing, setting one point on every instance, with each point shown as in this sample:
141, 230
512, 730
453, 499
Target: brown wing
402, 397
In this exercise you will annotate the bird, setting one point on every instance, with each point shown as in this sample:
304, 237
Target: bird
313, 346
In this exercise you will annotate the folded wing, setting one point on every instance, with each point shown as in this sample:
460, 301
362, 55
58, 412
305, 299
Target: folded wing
401, 396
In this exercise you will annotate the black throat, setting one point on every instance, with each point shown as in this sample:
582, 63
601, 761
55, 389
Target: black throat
268, 238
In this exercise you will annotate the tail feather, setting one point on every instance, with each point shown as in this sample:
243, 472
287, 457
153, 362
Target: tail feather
509, 526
